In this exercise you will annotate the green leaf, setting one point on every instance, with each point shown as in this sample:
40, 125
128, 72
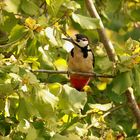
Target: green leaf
116, 98
48, 2
59, 137
72, 5
38, 124
70, 136
45, 103
26, 107
23, 109
34, 61
122, 82
135, 14
57, 78
5, 89
9, 22
46, 97
18, 135
136, 74
113, 6
12, 5
131, 46
126, 63
29, 7
4, 128
86, 22
61, 64
23, 126
17, 33
72, 100
32, 133
104, 64
2, 105
54, 6
46, 60
30, 78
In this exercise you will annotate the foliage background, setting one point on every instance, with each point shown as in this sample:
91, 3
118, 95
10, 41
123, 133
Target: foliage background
41, 106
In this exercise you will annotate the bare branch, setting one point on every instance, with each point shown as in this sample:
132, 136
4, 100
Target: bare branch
91, 74
102, 33
133, 105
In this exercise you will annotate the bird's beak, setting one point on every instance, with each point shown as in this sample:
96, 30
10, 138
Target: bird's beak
68, 39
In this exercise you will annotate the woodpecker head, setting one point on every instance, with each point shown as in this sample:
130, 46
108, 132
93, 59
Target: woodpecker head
79, 40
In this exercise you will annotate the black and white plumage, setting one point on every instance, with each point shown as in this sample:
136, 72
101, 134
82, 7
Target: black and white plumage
81, 59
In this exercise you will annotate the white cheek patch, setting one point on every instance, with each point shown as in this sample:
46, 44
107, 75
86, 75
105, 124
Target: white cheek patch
82, 43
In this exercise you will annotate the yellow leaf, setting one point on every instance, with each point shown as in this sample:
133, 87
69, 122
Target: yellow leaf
38, 28
55, 88
87, 89
48, 2
137, 59
61, 64
131, 4
30, 22
102, 86
136, 50
100, 112
57, 26
110, 135
101, 119
72, 32
74, 115
65, 118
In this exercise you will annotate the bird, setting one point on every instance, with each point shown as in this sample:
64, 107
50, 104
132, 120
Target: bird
80, 59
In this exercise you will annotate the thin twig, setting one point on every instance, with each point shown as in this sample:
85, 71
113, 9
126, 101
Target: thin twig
14, 42
87, 113
50, 71
90, 126
58, 20
91, 74
43, 3
113, 110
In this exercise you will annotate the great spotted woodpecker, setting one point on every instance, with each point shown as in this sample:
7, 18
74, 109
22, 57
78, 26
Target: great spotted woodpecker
81, 59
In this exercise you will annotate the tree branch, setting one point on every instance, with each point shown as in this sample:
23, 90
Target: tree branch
133, 105
91, 74
113, 57
113, 110
102, 33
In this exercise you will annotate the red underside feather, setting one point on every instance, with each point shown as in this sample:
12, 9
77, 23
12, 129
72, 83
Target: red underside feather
78, 81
